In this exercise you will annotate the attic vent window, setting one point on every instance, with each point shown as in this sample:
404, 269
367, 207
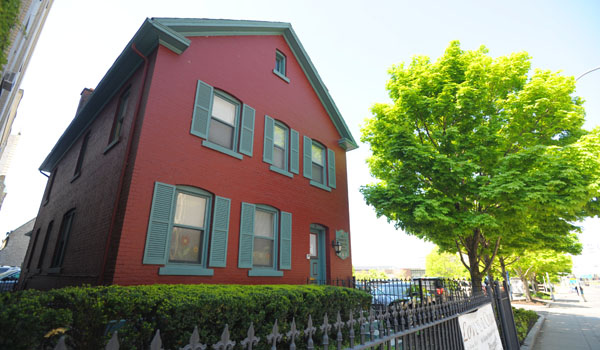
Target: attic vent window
280, 66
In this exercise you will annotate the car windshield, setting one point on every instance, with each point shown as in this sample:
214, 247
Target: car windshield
3, 269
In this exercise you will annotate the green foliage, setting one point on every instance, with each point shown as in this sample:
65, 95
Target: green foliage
478, 154
372, 274
524, 320
26, 316
542, 295
9, 13
443, 264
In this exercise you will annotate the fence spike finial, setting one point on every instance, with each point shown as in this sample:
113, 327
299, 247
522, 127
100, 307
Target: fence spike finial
194, 343
113, 343
275, 336
156, 343
292, 334
61, 344
225, 343
325, 328
308, 332
250, 340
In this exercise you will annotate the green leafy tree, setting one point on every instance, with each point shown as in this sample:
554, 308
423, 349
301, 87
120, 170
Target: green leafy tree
475, 150
371, 274
9, 12
443, 264
531, 263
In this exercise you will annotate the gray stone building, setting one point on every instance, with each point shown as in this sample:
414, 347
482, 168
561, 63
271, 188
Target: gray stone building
14, 246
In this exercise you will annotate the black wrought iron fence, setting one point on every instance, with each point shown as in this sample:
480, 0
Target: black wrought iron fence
413, 291
400, 327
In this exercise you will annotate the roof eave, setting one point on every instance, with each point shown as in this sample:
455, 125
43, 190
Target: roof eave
145, 40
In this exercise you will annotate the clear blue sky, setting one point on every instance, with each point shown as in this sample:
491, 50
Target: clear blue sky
351, 43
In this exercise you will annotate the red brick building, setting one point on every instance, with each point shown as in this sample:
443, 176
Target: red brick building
210, 152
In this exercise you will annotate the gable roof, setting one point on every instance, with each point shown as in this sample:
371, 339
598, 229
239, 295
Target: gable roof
172, 33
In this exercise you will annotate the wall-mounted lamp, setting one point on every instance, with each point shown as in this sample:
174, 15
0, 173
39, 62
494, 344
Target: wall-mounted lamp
337, 246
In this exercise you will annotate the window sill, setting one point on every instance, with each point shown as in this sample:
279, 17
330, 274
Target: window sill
221, 149
281, 171
320, 185
75, 177
53, 270
185, 270
283, 77
110, 146
265, 273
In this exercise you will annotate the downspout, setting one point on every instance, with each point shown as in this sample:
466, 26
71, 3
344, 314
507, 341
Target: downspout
124, 167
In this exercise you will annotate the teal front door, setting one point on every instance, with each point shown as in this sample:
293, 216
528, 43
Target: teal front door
317, 256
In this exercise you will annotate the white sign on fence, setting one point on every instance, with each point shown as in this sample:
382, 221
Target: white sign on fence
479, 330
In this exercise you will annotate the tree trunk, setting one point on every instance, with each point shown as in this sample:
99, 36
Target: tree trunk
476, 275
503, 267
526, 287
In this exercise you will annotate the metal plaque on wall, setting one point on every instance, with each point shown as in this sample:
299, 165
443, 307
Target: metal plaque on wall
342, 237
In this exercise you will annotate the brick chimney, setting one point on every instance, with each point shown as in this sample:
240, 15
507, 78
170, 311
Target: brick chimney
85, 96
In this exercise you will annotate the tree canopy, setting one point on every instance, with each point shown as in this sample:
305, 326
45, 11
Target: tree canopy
443, 264
478, 151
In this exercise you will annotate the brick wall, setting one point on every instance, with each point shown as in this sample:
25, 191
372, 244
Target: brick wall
241, 66
92, 195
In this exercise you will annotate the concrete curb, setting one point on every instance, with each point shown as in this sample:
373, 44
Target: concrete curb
533, 333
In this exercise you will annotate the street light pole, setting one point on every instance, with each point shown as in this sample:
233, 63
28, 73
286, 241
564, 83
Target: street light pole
589, 71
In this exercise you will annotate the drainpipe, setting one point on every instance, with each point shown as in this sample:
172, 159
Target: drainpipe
124, 167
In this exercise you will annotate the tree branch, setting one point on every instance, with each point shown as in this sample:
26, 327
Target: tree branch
461, 255
489, 265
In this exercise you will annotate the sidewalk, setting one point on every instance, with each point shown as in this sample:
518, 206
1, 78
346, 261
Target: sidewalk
569, 323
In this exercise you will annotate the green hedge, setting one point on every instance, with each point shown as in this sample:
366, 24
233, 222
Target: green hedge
83, 313
9, 12
524, 320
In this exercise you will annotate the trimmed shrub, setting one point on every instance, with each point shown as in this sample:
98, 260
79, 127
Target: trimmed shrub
85, 312
524, 320
9, 13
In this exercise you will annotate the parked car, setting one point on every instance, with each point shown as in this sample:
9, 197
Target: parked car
9, 276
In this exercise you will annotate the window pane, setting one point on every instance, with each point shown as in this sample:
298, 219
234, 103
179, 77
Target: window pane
279, 158
224, 110
317, 155
263, 224
279, 134
186, 245
221, 133
317, 173
313, 244
263, 252
190, 210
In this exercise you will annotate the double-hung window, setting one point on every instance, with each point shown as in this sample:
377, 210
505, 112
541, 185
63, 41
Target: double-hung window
280, 66
319, 164
183, 221
115, 133
226, 125
281, 147
265, 240
63, 238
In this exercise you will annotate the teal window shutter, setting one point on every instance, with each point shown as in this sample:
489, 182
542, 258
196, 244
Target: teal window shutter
285, 245
247, 134
246, 235
220, 232
268, 145
295, 152
307, 157
331, 167
159, 224
202, 109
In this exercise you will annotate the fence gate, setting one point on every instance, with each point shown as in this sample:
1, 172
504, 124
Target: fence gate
510, 340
